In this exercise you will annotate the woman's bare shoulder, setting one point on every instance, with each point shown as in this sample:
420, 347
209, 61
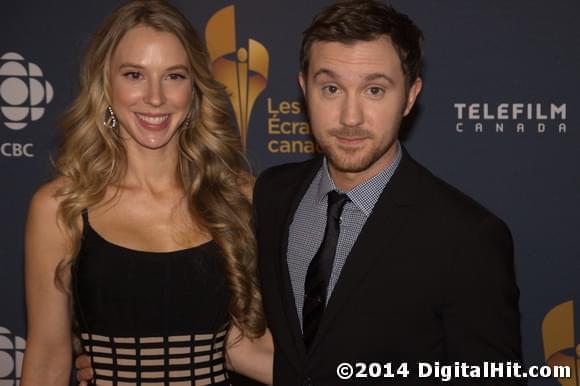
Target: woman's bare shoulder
46, 199
46, 240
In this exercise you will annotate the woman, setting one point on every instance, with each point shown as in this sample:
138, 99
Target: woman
143, 243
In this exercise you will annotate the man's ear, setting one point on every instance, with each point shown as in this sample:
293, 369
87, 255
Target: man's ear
302, 82
412, 95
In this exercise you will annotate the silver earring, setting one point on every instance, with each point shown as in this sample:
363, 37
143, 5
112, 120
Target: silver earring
186, 124
110, 119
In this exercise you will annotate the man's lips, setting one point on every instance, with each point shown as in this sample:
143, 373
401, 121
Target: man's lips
350, 140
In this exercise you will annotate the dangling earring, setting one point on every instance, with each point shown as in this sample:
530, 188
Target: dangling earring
110, 119
185, 124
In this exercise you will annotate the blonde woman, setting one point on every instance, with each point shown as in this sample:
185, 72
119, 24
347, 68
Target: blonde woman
143, 243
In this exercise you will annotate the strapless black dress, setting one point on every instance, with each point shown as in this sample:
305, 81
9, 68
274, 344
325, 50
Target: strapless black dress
148, 318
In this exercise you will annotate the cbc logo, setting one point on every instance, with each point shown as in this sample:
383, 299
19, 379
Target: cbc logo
24, 92
11, 355
9, 149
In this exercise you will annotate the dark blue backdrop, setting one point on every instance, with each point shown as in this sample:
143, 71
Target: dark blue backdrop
497, 118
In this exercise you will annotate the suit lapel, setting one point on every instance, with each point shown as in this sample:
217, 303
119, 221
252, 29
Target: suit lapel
294, 196
381, 229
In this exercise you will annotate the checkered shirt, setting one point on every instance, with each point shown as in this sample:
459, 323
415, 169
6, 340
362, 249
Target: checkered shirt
307, 228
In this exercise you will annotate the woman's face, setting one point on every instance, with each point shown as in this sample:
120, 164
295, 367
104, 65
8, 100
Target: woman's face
151, 86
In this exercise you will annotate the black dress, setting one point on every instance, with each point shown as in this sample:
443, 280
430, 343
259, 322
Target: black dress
148, 318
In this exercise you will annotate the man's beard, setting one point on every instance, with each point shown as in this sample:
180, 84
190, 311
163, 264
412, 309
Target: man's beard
347, 160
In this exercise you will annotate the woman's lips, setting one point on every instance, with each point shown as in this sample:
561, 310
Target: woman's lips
153, 121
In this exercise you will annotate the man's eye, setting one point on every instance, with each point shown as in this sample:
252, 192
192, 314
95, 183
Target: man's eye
375, 91
330, 89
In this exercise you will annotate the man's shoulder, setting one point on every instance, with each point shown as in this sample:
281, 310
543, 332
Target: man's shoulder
288, 172
277, 185
444, 199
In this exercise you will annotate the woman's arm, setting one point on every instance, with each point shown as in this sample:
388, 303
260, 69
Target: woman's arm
48, 355
253, 358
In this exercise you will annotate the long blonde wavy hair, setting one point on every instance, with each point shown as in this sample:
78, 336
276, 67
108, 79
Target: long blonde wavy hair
211, 164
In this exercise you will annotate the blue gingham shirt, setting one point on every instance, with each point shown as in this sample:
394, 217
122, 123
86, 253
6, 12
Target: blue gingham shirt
307, 228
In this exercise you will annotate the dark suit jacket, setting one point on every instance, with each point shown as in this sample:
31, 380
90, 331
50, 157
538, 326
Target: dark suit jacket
430, 278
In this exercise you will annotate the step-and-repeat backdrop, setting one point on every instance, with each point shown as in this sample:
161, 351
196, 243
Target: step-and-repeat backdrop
498, 118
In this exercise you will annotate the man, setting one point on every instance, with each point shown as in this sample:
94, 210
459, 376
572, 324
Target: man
404, 268
365, 256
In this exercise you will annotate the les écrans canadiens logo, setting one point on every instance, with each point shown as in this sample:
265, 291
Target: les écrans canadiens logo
561, 346
242, 70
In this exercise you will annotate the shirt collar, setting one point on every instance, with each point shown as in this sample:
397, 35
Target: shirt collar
365, 195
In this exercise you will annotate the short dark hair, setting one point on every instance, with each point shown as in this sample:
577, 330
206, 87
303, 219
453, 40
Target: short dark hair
349, 21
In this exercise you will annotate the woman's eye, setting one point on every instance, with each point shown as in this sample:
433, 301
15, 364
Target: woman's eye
176, 76
134, 75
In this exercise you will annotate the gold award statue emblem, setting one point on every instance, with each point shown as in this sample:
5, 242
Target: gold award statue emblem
243, 71
560, 345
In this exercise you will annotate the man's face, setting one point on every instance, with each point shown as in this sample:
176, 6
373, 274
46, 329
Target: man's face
356, 98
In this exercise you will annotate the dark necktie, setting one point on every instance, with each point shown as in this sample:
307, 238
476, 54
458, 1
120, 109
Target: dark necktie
320, 268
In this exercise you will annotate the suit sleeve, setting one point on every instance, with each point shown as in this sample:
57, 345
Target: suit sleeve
481, 316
